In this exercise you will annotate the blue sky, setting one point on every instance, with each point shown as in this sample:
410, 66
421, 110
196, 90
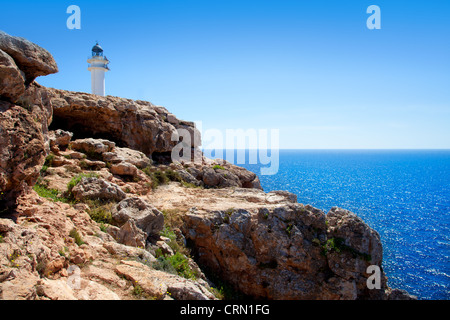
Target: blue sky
311, 69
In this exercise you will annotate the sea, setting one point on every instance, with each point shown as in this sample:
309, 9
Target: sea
403, 194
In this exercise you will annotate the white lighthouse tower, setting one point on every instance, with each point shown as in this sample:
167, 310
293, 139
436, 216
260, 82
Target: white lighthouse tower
98, 65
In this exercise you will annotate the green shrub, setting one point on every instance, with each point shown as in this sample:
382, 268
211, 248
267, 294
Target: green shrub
173, 243
103, 227
147, 171
52, 194
76, 236
218, 167
338, 245
175, 264
190, 185
137, 290
100, 212
289, 228
173, 175
160, 177
49, 160
164, 264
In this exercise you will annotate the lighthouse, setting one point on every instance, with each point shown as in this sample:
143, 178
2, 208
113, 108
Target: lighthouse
98, 65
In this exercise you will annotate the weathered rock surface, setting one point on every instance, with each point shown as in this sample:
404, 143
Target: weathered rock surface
356, 247
59, 138
33, 60
286, 252
156, 283
92, 146
136, 158
22, 152
130, 235
95, 188
212, 175
124, 169
40, 260
147, 217
137, 125
12, 80
24, 124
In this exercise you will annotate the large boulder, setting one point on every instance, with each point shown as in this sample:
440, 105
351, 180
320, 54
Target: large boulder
33, 60
130, 235
225, 175
95, 188
147, 218
59, 138
134, 157
92, 147
124, 169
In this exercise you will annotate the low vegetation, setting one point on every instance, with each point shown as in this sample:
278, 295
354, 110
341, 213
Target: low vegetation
161, 177
43, 191
100, 211
338, 245
178, 263
76, 236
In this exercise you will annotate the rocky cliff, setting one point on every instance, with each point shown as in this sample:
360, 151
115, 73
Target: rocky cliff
92, 207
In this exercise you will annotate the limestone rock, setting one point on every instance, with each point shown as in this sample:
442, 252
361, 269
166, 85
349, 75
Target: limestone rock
19, 288
12, 80
134, 157
124, 251
265, 253
278, 253
132, 124
33, 60
397, 294
211, 178
91, 290
124, 169
157, 283
92, 146
274, 196
22, 152
225, 175
189, 178
147, 218
130, 235
59, 138
55, 289
355, 247
95, 188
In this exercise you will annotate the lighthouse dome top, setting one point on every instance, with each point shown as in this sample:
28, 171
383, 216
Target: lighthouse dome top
97, 48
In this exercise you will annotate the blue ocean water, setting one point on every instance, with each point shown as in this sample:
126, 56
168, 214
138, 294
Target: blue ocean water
403, 194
